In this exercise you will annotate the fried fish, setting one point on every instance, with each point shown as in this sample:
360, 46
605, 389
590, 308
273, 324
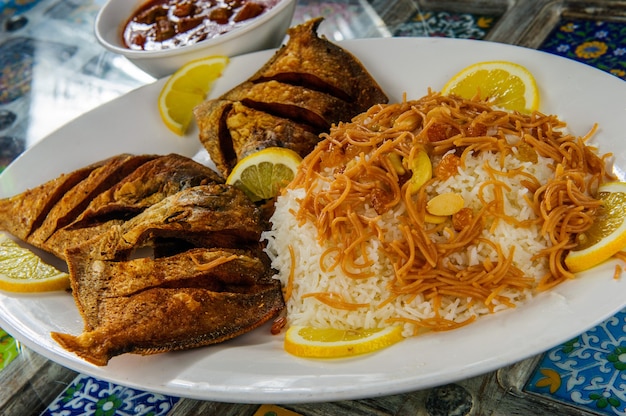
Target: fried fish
23, 213
76, 199
162, 254
169, 319
308, 85
215, 215
147, 185
315, 62
195, 298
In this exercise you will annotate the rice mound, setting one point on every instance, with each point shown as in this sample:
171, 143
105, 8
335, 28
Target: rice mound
309, 277
355, 245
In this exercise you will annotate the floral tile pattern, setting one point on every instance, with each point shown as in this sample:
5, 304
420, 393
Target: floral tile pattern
9, 349
597, 43
89, 396
588, 371
447, 24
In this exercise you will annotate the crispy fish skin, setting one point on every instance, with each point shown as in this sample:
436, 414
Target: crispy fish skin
76, 199
215, 269
67, 237
214, 135
161, 319
308, 85
23, 213
252, 130
215, 215
300, 104
313, 61
147, 185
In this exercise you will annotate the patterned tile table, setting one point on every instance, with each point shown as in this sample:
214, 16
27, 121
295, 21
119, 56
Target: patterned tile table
597, 43
588, 371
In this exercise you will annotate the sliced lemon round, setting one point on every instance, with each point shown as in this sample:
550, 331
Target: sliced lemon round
309, 342
263, 174
187, 88
500, 83
607, 235
21, 270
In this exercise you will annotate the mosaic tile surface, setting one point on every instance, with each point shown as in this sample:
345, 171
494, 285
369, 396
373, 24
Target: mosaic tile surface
447, 24
89, 396
14, 7
8, 349
597, 43
588, 371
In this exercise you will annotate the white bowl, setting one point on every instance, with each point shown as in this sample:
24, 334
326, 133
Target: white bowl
267, 31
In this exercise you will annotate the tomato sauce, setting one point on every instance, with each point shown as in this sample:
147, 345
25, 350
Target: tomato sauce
165, 24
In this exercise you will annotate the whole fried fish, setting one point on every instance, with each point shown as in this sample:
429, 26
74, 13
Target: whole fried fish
308, 85
162, 319
146, 306
80, 205
162, 254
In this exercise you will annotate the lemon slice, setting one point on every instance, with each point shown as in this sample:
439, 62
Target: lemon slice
607, 235
21, 270
501, 83
263, 174
187, 88
309, 342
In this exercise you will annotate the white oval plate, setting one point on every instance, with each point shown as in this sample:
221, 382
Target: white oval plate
254, 368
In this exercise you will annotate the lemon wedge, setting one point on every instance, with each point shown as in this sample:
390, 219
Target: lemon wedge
21, 270
501, 83
309, 342
263, 174
187, 88
607, 235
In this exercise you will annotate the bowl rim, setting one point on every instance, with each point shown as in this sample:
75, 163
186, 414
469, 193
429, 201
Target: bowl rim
99, 31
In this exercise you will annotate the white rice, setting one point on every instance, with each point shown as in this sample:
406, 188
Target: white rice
308, 277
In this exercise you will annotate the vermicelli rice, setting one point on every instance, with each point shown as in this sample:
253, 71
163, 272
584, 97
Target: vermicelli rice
345, 260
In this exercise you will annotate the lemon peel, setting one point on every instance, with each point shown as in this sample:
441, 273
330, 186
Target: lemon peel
23, 271
187, 88
607, 235
309, 342
504, 84
263, 174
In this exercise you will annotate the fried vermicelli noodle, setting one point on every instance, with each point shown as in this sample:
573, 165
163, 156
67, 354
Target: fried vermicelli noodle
518, 187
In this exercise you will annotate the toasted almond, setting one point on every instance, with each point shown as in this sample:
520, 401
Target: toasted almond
445, 204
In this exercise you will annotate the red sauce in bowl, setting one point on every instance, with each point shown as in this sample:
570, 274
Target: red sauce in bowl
166, 24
